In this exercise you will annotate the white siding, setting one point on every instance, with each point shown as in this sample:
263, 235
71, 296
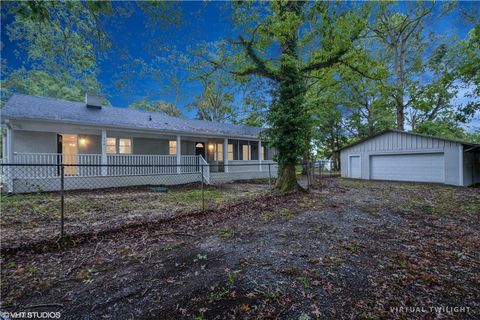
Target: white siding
404, 143
34, 142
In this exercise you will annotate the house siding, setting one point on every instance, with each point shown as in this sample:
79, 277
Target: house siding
34, 142
404, 143
150, 146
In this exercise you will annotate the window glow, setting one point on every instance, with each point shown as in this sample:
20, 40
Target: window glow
125, 146
172, 147
111, 145
230, 152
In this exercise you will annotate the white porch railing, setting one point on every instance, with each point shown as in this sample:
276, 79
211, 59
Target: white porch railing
89, 165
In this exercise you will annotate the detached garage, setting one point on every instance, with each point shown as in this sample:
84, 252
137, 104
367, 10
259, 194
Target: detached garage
404, 156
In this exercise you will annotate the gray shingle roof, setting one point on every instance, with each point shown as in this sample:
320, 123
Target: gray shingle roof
21, 106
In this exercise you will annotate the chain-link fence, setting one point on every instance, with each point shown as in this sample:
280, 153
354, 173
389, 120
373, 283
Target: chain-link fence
45, 201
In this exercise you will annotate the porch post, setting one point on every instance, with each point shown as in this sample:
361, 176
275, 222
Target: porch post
4, 146
10, 159
260, 154
10, 155
179, 154
225, 154
104, 153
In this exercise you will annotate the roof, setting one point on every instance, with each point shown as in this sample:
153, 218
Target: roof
410, 133
27, 107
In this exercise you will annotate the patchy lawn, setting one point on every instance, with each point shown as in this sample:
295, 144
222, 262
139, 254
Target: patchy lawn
350, 249
28, 218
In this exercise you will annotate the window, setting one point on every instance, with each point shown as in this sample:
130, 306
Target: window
246, 152
125, 146
111, 145
119, 145
219, 152
172, 147
263, 153
230, 152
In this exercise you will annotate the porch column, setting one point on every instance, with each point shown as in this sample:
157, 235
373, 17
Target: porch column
260, 154
9, 151
225, 154
179, 154
4, 146
104, 153
10, 159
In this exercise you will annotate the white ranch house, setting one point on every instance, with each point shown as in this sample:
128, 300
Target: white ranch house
39, 130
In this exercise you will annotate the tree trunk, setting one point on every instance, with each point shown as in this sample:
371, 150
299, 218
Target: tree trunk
287, 178
400, 116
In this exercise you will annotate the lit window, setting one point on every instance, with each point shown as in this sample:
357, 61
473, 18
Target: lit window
219, 152
172, 147
246, 152
125, 146
230, 152
263, 153
111, 145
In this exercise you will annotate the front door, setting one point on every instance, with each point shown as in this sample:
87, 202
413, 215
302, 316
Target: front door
200, 149
69, 153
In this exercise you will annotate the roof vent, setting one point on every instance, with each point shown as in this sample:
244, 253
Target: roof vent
93, 101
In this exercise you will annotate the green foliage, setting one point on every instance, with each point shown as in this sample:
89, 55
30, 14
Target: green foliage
157, 106
308, 37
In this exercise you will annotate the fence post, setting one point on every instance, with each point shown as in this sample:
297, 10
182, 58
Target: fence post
203, 192
62, 199
269, 176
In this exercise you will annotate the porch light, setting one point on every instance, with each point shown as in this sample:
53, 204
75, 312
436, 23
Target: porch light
211, 147
83, 141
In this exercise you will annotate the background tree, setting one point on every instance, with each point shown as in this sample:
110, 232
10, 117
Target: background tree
157, 106
401, 34
61, 41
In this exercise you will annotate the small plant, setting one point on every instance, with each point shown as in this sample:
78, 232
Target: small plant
287, 213
217, 292
232, 278
265, 217
304, 281
224, 233
201, 257
304, 316
352, 247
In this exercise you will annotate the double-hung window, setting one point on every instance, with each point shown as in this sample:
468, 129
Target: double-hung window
172, 147
119, 145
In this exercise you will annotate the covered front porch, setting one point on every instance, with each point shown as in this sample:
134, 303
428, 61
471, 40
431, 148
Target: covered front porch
114, 155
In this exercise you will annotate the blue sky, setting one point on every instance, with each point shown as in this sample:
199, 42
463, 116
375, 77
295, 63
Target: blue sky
201, 21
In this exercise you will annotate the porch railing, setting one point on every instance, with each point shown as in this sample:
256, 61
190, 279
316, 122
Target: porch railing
123, 165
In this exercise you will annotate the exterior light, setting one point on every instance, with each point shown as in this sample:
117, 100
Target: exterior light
210, 147
83, 141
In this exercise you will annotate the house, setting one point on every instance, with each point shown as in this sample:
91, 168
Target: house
133, 146
405, 156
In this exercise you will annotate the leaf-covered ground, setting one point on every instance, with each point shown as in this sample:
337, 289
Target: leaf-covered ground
27, 218
349, 249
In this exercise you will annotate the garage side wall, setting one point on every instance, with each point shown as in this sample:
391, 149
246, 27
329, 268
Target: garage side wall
391, 143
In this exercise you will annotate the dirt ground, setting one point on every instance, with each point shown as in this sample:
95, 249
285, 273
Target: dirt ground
349, 249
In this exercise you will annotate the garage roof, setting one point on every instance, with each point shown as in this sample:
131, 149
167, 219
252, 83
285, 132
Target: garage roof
410, 133
27, 107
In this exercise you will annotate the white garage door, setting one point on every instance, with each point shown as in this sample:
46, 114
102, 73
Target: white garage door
408, 167
355, 171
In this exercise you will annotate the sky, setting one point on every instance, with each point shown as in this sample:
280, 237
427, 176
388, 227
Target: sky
200, 21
